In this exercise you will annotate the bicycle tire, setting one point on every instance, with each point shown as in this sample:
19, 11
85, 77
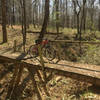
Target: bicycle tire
49, 53
32, 51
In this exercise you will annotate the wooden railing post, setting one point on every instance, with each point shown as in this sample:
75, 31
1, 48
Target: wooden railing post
15, 46
42, 61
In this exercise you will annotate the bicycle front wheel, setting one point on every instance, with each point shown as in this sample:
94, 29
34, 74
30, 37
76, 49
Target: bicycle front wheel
33, 51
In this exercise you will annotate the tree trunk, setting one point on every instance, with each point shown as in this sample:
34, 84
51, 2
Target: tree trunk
46, 19
99, 22
13, 12
67, 21
78, 26
3, 4
34, 19
84, 15
57, 15
24, 24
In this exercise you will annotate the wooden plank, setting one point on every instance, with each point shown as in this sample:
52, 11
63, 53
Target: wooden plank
76, 69
77, 76
83, 72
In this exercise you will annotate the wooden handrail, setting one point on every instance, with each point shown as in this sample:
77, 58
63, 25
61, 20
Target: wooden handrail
75, 42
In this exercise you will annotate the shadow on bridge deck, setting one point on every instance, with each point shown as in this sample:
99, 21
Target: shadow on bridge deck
82, 72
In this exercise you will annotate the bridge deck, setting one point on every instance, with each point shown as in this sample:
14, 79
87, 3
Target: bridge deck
84, 72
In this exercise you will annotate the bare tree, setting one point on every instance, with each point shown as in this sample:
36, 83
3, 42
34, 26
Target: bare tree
23, 6
57, 15
13, 12
3, 4
84, 15
77, 12
45, 23
99, 19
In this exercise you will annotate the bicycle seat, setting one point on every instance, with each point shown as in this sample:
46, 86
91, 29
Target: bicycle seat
37, 41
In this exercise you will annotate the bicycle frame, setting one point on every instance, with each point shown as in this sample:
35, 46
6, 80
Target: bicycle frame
43, 44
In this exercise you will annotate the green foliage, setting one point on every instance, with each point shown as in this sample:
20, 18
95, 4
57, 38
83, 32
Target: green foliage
54, 17
88, 95
92, 56
90, 25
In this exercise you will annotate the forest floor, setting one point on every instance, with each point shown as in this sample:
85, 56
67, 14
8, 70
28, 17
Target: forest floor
60, 88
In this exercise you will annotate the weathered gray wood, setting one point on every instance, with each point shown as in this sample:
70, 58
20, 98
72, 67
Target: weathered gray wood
82, 72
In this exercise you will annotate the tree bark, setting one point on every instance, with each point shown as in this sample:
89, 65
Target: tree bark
99, 22
13, 12
84, 15
24, 23
57, 15
3, 5
45, 22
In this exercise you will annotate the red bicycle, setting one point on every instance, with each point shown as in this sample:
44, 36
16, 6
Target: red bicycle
47, 50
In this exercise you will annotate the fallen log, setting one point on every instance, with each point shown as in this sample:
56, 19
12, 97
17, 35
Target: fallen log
37, 32
75, 42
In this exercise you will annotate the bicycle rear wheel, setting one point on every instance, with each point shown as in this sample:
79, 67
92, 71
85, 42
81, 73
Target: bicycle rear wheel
49, 53
33, 51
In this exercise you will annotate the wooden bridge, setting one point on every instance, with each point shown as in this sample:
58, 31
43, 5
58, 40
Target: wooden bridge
81, 72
